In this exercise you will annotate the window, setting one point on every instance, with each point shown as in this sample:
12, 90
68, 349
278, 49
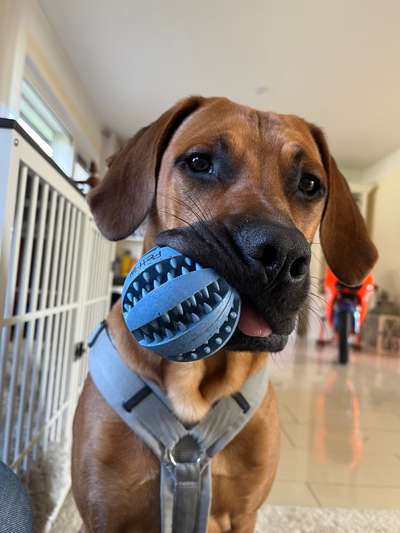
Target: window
81, 173
44, 127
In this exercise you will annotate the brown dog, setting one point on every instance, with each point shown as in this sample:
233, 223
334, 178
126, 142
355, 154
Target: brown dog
244, 192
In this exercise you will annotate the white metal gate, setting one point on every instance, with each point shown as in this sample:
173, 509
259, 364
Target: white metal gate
55, 285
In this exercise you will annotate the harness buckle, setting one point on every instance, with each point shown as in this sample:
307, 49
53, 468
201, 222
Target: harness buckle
186, 450
173, 461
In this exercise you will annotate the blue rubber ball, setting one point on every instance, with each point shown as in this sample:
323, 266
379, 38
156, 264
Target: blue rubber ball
178, 309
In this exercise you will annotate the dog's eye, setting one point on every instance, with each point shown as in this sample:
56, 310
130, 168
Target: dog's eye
199, 163
309, 185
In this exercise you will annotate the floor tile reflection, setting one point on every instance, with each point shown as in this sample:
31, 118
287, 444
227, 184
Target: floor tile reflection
340, 428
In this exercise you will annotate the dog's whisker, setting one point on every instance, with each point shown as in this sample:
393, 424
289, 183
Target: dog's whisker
174, 215
313, 311
199, 215
318, 259
179, 201
201, 208
321, 298
192, 225
315, 284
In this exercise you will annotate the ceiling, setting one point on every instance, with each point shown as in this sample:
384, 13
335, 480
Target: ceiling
335, 63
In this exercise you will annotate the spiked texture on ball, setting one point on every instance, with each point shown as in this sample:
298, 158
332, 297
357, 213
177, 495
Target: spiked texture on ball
177, 308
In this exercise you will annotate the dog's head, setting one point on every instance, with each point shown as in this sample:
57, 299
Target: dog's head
244, 192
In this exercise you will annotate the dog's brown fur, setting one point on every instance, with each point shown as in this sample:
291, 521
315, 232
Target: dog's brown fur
115, 477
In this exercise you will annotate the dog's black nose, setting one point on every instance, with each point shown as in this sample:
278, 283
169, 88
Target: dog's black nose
282, 251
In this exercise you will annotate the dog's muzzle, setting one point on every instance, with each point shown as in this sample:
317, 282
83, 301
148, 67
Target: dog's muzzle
266, 262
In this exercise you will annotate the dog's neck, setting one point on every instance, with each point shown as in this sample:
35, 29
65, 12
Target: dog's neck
191, 387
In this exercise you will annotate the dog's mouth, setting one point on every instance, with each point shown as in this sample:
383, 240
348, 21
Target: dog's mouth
253, 333
252, 324
269, 310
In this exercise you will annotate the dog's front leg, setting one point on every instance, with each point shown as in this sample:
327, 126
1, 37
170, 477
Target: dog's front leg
244, 523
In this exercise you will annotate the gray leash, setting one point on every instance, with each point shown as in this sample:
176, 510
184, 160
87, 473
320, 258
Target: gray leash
184, 453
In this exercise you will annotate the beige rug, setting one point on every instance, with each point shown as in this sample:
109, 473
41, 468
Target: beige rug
284, 519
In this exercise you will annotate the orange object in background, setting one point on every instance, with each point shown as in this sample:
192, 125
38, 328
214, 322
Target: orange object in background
333, 288
127, 262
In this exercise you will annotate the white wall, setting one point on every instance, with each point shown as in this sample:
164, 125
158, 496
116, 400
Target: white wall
111, 144
25, 33
12, 54
352, 175
382, 180
386, 221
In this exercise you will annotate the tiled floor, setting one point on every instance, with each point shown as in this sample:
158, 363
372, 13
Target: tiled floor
340, 439
340, 429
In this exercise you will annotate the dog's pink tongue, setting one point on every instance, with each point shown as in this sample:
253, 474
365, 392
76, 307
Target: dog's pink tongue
251, 323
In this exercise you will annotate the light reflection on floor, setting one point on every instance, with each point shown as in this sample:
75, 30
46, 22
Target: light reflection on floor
340, 428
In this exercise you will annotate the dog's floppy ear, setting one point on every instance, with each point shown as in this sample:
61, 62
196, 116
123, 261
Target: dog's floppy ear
124, 197
349, 251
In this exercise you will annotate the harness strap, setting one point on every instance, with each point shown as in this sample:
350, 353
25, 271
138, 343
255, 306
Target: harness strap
184, 453
185, 494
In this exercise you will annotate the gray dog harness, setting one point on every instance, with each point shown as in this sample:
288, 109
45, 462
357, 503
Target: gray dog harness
185, 453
